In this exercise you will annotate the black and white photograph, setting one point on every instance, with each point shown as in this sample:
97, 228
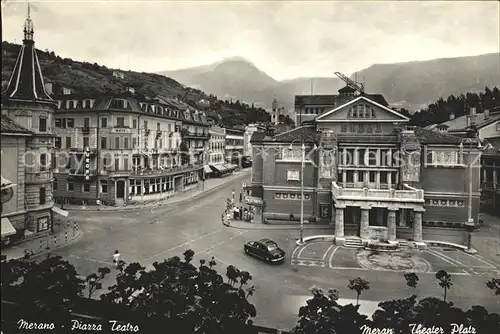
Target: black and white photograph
248, 167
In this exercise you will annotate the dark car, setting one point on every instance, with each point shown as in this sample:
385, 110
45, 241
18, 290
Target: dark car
265, 249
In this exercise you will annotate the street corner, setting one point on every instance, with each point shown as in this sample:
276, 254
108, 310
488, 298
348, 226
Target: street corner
312, 254
458, 262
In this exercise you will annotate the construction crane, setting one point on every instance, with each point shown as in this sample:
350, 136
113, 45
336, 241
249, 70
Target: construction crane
351, 83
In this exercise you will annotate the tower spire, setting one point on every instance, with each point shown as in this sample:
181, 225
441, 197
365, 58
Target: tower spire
28, 26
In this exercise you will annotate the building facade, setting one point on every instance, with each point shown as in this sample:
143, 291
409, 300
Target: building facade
247, 136
234, 145
217, 145
27, 141
490, 180
117, 150
368, 174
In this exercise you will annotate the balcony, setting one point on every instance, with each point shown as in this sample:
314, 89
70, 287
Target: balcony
81, 150
410, 194
86, 130
159, 171
81, 173
193, 135
38, 177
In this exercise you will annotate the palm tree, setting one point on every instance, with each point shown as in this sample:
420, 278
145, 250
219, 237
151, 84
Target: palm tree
444, 281
358, 284
412, 281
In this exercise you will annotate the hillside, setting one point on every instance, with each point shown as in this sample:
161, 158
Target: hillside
91, 78
412, 85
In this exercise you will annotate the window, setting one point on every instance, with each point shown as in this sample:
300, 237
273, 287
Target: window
384, 158
350, 176
58, 123
369, 128
145, 125
68, 142
117, 164
378, 127
70, 186
158, 126
43, 162
134, 142
443, 158
86, 142
104, 142
373, 113
293, 175
125, 164
104, 163
134, 123
104, 187
86, 122
86, 188
42, 195
54, 186
372, 177
361, 157
383, 177
120, 122
70, 122
344, 127
125, 143
353, 127
340, 177
58, 142
361, 176
104, 122
291, 155
117, 143
372, 157
393, 178
42, 125
361, 128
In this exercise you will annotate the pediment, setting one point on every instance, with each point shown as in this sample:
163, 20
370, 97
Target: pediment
361, 109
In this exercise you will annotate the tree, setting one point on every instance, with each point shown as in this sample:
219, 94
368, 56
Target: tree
494, 284
177, 290
94, 280
359, 285
323, 315
444, 281
412, 281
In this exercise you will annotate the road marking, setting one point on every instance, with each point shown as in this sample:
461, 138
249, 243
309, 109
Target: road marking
326, 253
91, 260
330, 259
442, 257
457, 274
303, 248
349, 268
184, 244
222, 242
482, 260
295, 251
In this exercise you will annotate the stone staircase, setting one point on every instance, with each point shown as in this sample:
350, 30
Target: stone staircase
353, 242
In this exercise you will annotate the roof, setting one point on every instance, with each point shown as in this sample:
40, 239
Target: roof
26, 81
258, 137
334, 100
426, 136
492, 152
305, 133
346, 89
460, 123
9, 126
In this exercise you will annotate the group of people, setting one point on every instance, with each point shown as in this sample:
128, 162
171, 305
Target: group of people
232, 211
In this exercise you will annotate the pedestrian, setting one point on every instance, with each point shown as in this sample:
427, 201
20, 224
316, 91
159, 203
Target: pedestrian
222, 218
241, 197
241, 213
116, 258
233, 195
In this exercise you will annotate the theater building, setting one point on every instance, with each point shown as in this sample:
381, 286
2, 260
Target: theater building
118, 150
367, 174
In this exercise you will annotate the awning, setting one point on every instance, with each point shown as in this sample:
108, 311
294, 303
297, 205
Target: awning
230, 166
207, 169
7, 228
219, 168
60, 211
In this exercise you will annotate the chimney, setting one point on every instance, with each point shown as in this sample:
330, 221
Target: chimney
486, 114
452, 116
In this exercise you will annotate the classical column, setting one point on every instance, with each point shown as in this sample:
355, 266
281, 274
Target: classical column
391, 224
339, 221
417, 227
364, 231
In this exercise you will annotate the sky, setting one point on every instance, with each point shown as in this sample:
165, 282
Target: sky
285, 39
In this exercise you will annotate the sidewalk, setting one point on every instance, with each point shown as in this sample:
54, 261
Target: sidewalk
239, 224
210, 184
63, 235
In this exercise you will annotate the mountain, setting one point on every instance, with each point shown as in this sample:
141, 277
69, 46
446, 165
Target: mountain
86, 78
412, 84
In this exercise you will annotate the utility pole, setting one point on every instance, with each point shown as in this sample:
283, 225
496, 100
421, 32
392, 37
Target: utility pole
98, 171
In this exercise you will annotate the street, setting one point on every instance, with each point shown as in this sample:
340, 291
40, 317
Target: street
147, 235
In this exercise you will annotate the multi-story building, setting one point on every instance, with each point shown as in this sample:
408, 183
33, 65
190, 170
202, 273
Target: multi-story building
234, 145
27, 140
217, 145
367, 174
490, 180
486, 123
249, 130
118, 149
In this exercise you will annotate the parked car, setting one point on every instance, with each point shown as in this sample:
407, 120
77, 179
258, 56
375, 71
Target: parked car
265, 249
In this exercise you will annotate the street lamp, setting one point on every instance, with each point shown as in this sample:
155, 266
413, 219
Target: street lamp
302, 158
469, 224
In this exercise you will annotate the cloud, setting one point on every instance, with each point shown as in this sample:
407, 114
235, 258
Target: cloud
285, 39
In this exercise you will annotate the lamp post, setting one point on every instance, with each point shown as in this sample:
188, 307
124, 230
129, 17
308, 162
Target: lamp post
469, 224
302, 159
